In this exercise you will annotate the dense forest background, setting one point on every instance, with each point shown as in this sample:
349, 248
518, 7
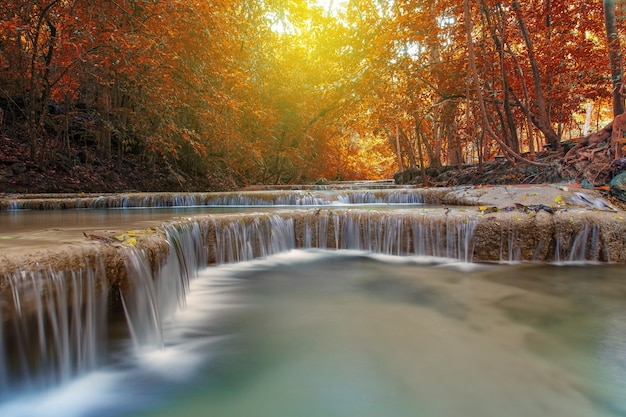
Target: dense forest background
221, 93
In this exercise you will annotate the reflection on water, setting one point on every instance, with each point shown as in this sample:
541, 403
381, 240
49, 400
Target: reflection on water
313, 333
28, 221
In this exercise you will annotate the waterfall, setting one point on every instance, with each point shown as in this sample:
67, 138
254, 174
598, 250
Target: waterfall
581, 244
509, 245
141, 303
248, 237
586, 245
260, 236
53, 323
237, 199
56, 331
155, 296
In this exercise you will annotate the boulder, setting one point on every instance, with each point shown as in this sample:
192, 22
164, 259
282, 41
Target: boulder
618, 186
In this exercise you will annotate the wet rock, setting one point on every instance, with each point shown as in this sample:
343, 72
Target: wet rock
618, 186
619, 165
586, 184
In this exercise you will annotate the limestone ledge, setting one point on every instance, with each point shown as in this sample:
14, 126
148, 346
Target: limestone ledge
508, 223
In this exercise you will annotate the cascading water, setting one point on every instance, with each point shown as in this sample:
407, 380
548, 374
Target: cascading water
60, 338
233, 199
583, 244
153, 297
57, 341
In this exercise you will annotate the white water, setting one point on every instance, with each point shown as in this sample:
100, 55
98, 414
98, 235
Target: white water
177, 323
54, 344
313, 333
232, 199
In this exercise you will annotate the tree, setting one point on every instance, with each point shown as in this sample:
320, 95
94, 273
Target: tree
615, 56
279, 91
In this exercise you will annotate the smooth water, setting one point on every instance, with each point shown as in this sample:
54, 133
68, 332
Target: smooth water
318, 333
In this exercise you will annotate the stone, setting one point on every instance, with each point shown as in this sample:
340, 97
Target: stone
619, 165
618, 186
586, 184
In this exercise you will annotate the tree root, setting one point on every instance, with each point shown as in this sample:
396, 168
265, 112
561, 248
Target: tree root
593, 156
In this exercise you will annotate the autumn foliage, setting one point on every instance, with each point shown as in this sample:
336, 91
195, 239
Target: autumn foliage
292, 91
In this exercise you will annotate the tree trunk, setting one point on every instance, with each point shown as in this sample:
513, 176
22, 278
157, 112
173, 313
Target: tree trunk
410, 147
615, 56
508, 152
35, 127
399, 150
420, 139
448, 112
542, 121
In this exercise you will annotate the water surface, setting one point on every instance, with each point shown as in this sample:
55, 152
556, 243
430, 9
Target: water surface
315, 333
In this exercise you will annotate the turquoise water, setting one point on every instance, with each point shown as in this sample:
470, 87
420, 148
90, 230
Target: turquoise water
315, 333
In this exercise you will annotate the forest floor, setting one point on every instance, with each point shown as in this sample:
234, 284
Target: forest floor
79, 171
501, 172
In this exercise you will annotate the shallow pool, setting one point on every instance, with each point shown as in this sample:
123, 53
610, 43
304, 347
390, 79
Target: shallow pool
320, 333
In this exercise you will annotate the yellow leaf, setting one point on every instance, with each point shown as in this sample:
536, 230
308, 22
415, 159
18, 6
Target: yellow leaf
620, 218
517, 218
120, 238
132, 241
558, 199
486, 209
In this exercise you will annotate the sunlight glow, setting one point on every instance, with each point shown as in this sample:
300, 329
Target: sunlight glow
332, 7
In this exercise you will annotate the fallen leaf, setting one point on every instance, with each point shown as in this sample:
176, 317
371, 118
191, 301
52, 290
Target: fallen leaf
486, 209
98, 238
